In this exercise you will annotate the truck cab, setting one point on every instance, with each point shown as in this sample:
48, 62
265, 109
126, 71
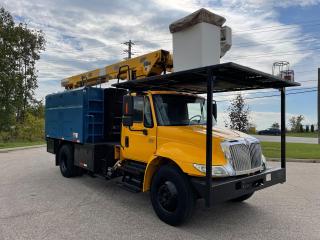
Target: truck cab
171, 126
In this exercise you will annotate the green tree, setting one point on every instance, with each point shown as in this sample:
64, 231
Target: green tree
275, 125
7, 70
296, 123
301, 128
307, 128
239, 114
20, 48
31, 129
37, 109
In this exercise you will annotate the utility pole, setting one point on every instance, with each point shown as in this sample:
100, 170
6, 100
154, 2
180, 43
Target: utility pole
318, 105
129, 50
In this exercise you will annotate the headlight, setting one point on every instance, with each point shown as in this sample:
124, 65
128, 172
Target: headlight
217, 171
225, 148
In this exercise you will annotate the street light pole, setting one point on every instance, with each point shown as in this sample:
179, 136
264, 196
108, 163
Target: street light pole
318, 105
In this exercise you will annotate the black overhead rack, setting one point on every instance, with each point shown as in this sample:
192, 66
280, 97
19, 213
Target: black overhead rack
229, 77
216, 78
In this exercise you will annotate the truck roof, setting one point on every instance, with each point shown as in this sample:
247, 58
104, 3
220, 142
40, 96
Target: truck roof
229, 77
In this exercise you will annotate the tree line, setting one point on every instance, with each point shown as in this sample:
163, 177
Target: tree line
21, 115
239, 116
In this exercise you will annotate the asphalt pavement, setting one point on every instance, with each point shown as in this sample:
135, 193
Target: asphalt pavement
267, 138
36, 202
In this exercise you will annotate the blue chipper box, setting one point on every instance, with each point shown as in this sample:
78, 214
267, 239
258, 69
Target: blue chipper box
75, 115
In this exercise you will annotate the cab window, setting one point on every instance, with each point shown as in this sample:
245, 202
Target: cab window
147, 120
142, 111
138, 109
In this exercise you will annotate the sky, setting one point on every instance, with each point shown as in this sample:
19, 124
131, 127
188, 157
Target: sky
83, 35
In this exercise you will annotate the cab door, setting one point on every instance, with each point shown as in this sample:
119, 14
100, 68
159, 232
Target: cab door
139, 140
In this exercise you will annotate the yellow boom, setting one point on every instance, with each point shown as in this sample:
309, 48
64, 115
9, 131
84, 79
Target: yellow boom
150, 64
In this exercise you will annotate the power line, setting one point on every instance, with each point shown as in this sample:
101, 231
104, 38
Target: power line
299, 51
274, 26
269, 96
281, 40
274, 42
234, 58
236, 32
277, 29
259, 29
93, 48
265, 92
155, 40
308, 81
275, 54
240, 45
112, 46
239, 57
309, 71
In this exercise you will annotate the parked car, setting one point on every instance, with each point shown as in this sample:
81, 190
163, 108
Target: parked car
270, 131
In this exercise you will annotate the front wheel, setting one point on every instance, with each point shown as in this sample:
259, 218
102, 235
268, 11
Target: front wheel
172, 196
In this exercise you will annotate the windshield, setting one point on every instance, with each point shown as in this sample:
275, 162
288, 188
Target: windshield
177, 110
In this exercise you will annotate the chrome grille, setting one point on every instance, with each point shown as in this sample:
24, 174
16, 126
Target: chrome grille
241, 157
245, 157
255, 154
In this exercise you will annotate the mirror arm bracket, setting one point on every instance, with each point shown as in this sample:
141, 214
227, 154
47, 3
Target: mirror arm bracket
144, 131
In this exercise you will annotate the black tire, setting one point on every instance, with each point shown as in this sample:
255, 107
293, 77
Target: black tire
172, 196
65, 157
243, 197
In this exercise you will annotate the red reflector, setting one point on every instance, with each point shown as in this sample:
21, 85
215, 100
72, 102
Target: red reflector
126, 110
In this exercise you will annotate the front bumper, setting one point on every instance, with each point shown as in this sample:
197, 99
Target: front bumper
229, 188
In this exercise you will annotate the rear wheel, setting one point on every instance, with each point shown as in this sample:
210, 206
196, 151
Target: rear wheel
172, 196
243, 197
65, 157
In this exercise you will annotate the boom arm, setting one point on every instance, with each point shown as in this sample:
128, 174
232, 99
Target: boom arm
150, 64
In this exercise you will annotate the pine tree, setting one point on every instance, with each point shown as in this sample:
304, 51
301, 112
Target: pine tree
239, 114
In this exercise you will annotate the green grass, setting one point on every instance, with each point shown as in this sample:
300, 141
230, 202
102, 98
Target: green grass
294, 150
19, 144
304, 134
270, 149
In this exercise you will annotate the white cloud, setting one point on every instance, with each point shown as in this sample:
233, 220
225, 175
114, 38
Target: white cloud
84, 35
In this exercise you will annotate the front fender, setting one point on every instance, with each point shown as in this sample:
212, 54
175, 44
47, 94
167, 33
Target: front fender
184, 156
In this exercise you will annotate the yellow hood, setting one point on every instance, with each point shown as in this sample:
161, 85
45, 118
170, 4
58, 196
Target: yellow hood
189, 143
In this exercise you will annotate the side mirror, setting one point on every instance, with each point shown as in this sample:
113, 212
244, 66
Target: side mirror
214, 109
127, 116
